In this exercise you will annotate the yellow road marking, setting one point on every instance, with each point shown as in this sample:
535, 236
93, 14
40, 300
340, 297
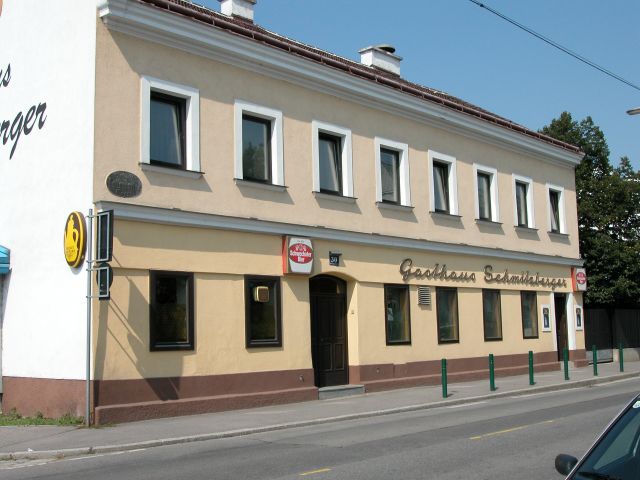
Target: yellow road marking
508, 430
313, 472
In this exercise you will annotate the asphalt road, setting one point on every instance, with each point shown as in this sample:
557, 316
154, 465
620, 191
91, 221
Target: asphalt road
515, 437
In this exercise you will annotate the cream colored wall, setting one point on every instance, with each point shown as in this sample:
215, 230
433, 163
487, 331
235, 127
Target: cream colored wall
219, 260
121, 60
424, 329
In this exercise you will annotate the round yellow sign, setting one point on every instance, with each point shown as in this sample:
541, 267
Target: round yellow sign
75, 239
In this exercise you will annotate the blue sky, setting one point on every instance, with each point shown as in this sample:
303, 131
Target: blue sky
464, 50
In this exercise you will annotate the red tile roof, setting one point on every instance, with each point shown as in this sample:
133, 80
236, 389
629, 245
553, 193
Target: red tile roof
245, 28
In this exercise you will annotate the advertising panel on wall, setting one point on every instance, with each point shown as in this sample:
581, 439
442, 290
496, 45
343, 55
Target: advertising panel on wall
297, 255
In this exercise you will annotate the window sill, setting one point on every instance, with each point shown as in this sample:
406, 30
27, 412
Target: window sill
450, 216
404, 342
525, 229
265, 345
482, 221
178, 172
335, 198
558, 234
261, 186
171, 348
394, 206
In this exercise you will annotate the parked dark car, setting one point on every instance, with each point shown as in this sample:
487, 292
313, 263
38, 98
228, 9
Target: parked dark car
615, 455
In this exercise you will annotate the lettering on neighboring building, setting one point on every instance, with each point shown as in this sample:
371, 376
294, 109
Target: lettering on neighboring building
24, 122
443, 273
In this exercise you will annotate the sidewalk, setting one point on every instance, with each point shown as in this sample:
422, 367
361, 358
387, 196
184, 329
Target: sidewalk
51, 442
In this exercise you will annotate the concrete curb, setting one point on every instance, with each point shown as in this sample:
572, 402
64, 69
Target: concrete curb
102, 449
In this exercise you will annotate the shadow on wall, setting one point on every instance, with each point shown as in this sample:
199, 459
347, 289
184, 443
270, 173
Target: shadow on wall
113, 348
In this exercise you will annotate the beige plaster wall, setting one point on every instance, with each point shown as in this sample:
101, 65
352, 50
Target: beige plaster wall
220, 259
122, 60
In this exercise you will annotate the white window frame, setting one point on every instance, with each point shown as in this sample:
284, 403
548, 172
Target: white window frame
404, 180
531, 222
277, 155
493, 190
192, 123
453, 182
561, 207
344, 134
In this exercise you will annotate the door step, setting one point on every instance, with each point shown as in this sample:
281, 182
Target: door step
337, 391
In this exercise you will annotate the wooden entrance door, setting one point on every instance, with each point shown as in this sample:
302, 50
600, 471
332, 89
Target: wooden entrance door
562, 334
329, 331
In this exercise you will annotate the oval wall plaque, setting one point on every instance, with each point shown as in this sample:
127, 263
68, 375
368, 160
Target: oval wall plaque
124, 184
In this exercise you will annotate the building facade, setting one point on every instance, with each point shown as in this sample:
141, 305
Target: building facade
285, 219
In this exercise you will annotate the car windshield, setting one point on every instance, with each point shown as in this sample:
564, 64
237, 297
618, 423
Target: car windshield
617, 454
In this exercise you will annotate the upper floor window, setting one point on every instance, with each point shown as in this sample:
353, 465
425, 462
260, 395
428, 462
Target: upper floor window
443, 189
556, 209
392, 172
258, 144
390, 175
256, 149
332, 168
523, 201
169, 129
486, 193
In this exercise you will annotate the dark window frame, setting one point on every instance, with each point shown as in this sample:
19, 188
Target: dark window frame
338, 144
535, 319
485, 293
154, 345
397, 158
406, 290
276, 282
525, 203
439, 290
268, 147
554, 210
488, 176
181, 104
446, 168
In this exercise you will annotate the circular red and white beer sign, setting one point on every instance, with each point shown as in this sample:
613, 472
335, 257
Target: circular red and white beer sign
299, 255
581, 278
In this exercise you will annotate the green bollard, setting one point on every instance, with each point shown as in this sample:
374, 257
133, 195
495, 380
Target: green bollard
445, 394
492, 375
565, 355
594, 352
531, 382
621, 355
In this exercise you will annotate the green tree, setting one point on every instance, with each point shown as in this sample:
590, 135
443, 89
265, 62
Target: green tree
608, 214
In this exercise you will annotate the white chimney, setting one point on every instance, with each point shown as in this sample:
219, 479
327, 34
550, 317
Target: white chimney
238, 8
382, 57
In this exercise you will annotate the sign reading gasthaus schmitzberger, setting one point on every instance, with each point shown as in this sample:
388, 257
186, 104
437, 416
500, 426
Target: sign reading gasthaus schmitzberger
442, 273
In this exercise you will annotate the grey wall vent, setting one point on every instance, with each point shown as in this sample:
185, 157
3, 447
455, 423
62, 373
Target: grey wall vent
424, 296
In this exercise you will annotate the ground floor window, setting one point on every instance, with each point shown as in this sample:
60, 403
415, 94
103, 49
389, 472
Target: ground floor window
529, 306
492, 315
171, 312
447, 311
263, 325
397, 318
